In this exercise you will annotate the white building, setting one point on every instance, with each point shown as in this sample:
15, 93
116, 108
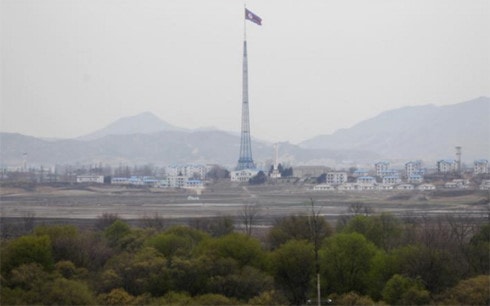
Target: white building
414, 167
380, 167
389, 172
360, 172
194, 184
366, 180
336, 178
243, 176
323, 187
405, 187
385, 187
426, 187
415, 179
178, 181
480, 166
347, 187
98, 179
485, 185
447, 166
391, 180
189, 170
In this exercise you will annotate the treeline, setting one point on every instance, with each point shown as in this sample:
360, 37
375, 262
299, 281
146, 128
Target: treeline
367, 259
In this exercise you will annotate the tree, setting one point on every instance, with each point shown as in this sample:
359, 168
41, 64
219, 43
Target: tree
215, 226
293, 266
64, 240
116, 231
249, 214
258, 179
435, 268
297, 227
473, 291
177, 241
479, 250
383, 230
116, 297
401, 290
242, 248
66, 292
345, 261
322, 178
217, 173
28, 249
144, 271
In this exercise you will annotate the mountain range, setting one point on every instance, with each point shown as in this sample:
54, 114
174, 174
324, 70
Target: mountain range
417, 132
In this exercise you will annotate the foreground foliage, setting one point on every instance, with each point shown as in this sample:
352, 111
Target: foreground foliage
369, 260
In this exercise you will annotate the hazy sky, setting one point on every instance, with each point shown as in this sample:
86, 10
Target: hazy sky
69, 67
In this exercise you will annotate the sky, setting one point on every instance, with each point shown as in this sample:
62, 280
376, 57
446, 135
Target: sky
70, 67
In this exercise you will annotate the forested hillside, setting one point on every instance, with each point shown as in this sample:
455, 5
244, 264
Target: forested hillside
365, 259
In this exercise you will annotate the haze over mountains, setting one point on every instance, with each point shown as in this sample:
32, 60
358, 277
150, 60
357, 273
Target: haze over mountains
426, 132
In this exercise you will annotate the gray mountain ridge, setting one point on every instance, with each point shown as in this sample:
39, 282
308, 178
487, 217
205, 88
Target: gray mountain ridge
426, 132
419, 132
143, 123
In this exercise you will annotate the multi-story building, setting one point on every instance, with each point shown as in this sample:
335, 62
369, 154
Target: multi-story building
391, 180
336, 178
388, 172
366, 180
380, 167
415, 179
189, 170
414, 167
360, 172
447, 166
480, 166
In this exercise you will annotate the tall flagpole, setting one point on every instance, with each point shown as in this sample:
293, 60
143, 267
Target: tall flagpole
244, 23
245, 160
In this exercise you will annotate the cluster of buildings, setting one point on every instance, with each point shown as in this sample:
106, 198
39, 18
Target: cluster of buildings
383, 177
188, 176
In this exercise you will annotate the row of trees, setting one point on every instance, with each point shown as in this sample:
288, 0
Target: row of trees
365, 259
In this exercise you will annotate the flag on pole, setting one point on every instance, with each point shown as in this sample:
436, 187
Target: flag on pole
252, 17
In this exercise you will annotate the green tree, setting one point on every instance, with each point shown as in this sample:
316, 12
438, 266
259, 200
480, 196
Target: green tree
400, 290
66, 292
116, 297
137, 273
383, 230
116, 232
479, 251
350, 298
297, 227
293, 266
242, 248
346, 260
435, 268
64, 240
258, 179
28, 249
473, 291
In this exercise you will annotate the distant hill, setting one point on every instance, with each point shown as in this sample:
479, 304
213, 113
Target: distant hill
161, 148
426, 132
419, 132
144, 123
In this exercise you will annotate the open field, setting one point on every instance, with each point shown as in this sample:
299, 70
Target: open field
86, 202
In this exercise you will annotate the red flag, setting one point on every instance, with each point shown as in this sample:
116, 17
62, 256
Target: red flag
252, 17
